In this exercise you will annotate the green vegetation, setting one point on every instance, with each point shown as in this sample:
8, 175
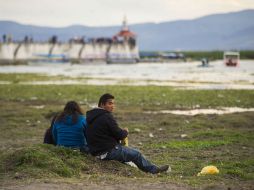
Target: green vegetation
215, 55
143, 97
16, 78
211, 55
45, 161
151, 97
198, 55
48, 161
189, 144
226, 141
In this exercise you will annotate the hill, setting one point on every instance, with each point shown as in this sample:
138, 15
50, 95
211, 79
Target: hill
233, 30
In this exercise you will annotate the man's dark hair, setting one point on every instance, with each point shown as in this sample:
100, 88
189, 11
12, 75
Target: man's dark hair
104, 98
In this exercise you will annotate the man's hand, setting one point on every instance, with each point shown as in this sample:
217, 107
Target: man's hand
126, 129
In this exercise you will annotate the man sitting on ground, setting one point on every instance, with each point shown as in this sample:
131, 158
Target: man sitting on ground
103, 136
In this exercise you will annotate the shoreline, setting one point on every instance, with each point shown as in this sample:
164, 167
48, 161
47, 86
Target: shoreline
186, 75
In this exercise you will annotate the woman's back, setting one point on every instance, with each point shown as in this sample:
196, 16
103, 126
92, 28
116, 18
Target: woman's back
69, 133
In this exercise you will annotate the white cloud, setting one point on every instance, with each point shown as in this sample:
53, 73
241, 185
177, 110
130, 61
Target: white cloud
111, 12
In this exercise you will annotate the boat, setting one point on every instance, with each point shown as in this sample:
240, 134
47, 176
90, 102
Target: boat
231, 58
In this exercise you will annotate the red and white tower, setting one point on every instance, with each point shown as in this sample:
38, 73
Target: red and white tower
125, 34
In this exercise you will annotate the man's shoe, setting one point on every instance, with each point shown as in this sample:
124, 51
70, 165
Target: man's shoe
161, 169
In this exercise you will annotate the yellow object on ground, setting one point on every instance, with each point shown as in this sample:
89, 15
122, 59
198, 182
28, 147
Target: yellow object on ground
125, 142
209, 170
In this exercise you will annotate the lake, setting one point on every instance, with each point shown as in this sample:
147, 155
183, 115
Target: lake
190, 75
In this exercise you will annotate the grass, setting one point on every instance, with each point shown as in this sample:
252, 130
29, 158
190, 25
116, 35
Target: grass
211, 55
152, 97
29, 77
226, 141
45, 160
195, 145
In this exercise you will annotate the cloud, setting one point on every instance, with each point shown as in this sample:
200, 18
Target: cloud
111, 12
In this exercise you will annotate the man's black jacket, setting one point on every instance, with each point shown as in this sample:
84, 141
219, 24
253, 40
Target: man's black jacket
102, 133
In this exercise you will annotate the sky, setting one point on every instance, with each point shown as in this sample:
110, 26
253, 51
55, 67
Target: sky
61, 13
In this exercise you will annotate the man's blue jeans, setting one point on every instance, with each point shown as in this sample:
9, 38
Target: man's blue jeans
126, 154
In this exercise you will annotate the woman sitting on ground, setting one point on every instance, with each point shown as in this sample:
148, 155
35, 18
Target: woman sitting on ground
69, 127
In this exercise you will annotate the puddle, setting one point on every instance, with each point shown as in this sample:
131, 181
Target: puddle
38, 107
192, 112
5, 82
55, 82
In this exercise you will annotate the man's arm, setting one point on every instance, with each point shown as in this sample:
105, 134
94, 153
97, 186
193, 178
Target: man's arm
117, 132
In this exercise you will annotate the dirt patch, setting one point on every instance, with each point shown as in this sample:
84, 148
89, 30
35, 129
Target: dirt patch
100, 186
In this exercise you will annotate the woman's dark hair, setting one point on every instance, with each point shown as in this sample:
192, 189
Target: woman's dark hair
104, 98
71, 109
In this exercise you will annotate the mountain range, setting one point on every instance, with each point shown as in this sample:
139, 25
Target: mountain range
227, 31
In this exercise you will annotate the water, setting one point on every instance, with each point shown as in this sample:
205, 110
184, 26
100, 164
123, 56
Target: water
182, 75
219, 111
